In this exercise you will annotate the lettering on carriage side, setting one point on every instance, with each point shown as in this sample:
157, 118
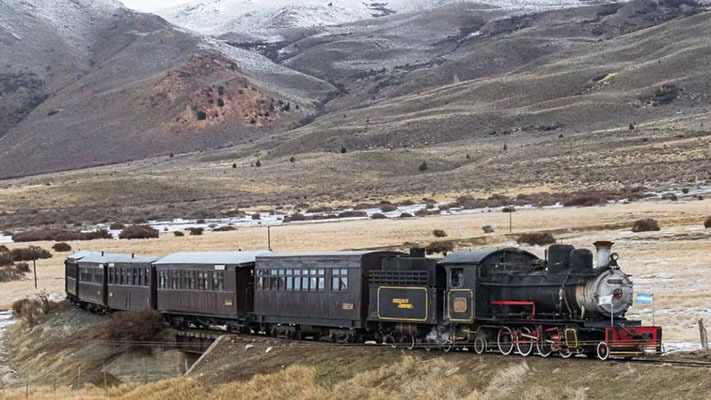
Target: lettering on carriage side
403, 303
228, 303
347, 306
219, 267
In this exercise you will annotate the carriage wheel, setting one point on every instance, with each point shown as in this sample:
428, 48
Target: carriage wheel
565, 352
389, 339
603, 351
410, 342
480, 344
524, 344
505, 340
543, 346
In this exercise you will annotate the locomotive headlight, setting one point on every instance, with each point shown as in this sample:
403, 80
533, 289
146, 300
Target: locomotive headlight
614, 256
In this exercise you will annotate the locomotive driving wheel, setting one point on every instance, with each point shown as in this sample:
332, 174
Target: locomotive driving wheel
544, 345
505, 340
565, 352
524, 344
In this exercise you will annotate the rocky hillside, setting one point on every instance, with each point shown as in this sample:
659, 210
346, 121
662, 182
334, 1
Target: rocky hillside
94, 83
115, 85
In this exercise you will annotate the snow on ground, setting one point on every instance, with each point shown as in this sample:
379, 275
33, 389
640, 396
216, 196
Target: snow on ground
262, 19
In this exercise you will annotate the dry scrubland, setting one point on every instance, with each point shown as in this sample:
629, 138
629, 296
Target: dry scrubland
672, 262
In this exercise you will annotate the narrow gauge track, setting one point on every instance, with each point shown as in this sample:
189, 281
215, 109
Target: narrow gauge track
491, 351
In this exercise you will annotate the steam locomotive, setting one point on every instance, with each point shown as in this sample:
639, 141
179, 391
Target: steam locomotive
502, 299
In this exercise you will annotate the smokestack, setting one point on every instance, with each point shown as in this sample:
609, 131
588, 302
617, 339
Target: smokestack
603, 249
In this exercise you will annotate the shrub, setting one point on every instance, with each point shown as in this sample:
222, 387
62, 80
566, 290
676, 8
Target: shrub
509, 209
292, 159
378, 216
423, 166
344, 150
256, 216
62, 247
258, 164
29, 254
669, 196
353, 214
4, 249
388, 208
225, 228
5, 259
295, 217
9, 274
646, 225
138, 232
196, 231
442, 246
132, 326
116, 226
584, 201
178, 233
59, 235
201, 116
488, 229
30, 310
685, 190
439, 233
22, 267
707, 223
406, 215
536, 238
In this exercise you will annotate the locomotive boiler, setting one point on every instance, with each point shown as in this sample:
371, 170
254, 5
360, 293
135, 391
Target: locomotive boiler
568, 283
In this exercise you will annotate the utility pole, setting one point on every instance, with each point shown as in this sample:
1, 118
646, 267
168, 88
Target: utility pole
269, 237
34, 254
510, 219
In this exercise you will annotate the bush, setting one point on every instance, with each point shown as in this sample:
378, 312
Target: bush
406, 215
178, 233
378, 216
60, 235
5, 259
442, 246
29, 254
646, 225
138, 232
536, 238
256, 216
4, 249
225, 228
117, 226
22, 267
388, 208
30, 310
196, 231
132, 326
588, 200
707, 223
295, 217
9, 274
353, 214
62, 247
439, 233
669, 196
488, 229
508, 209
201, 115
423, 166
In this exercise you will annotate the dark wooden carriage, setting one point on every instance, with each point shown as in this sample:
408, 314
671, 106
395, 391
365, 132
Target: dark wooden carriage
310, 292
92, 286
130, 284
71, 274
206, 288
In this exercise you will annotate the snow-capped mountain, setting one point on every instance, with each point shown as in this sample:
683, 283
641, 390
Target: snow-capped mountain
267, 19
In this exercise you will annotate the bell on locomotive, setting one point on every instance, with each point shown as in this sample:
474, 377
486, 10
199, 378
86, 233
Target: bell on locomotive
608, 290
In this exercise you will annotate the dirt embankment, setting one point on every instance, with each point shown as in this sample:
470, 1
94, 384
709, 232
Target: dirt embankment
68, 348
251, 367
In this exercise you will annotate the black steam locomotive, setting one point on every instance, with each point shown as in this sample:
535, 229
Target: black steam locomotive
506, 300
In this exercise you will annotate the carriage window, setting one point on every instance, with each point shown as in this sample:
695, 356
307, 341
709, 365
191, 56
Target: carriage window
282, 279
289, 279
313, 280
457, 277
304, 279
321, 280
297, 279
339, 280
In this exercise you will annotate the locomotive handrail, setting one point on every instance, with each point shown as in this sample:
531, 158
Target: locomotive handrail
516, 303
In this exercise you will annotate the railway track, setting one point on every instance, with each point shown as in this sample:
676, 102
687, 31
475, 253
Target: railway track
491, 350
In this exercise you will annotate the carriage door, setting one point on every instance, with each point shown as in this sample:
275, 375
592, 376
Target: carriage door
460, 306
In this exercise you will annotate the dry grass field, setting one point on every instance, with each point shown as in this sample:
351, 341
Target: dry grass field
672, 263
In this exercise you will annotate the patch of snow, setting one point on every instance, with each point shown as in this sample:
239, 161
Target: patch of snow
262, 18
5, 239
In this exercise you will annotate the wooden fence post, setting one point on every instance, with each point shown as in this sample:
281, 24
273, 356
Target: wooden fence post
703, 334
